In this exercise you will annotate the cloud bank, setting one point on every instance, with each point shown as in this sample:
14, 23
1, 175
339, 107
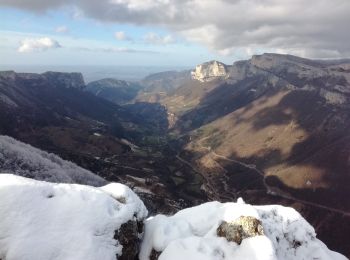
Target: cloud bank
38, 44
312, 28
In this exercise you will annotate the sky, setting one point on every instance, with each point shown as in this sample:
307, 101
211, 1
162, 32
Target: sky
169, 33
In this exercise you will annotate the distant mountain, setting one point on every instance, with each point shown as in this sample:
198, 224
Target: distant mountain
157, 86
142, 98
56, 115
149, 89
165, 81
207, 98
116, 91
68, 80
285, 116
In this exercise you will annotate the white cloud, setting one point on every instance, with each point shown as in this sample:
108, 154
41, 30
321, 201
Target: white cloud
315, 28
156, 39
122, 36
38, 44
62, 29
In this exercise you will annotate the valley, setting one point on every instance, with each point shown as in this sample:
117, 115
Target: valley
272, 130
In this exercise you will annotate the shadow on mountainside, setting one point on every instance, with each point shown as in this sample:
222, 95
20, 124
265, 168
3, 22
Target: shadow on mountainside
296, 135
223, 100
300, 142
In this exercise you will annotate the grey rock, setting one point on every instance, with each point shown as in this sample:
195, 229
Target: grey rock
128, 236
239, 229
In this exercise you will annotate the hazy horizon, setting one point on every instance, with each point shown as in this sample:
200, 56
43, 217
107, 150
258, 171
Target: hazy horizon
92, 73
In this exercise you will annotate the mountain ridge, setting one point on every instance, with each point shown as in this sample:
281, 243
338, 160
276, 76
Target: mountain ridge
272, 130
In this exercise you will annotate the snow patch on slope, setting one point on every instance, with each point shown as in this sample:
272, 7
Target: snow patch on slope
24, 160
46, 221
191, 234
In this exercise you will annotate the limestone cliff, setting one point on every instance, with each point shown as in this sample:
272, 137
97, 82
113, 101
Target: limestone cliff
209, 71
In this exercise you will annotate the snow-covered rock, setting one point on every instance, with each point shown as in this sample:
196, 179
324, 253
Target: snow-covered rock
241, 228
25, 160
192, 234
46, 221
209, 71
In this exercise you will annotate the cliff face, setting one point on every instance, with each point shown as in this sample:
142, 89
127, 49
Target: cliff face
68, 80
210, 70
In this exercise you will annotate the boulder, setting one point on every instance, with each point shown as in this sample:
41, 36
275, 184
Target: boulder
239, 229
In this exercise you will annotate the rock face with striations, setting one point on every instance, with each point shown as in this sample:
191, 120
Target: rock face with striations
209, 71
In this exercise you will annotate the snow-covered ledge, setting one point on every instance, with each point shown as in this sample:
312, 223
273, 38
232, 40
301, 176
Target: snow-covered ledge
46, 221
196, 233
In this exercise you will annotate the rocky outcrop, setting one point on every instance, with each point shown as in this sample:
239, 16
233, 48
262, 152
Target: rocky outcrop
128, 236
241, 228
209, 71
154, 255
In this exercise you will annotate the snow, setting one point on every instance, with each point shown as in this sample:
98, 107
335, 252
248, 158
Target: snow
191, 234
123, 193
46, 221
24, 160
